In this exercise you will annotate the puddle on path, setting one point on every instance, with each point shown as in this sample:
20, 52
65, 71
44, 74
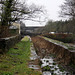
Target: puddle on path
34, 67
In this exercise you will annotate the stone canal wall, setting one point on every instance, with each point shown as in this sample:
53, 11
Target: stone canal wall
6, 43
62, 55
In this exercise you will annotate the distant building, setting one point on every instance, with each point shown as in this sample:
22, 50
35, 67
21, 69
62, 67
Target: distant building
16, 25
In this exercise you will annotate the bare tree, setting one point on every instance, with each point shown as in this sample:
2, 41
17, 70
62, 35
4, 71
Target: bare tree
13, 10
68, 9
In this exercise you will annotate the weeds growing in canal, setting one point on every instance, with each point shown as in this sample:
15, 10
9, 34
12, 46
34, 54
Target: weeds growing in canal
61, 68
46, 68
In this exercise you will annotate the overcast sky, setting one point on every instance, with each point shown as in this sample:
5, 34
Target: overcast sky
52, 7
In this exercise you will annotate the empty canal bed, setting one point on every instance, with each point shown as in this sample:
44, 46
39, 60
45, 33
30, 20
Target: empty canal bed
52, 57
47, 64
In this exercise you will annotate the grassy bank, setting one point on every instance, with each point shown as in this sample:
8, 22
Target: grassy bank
66, 45
15, 62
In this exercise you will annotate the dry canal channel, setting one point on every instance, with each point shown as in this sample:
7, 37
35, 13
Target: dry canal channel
43, 58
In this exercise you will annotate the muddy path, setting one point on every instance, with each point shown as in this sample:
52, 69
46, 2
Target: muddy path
57, 53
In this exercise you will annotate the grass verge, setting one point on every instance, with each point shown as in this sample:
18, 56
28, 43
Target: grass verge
65, 45
15, 62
